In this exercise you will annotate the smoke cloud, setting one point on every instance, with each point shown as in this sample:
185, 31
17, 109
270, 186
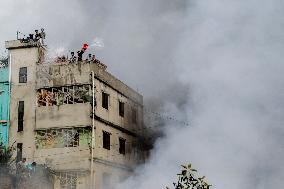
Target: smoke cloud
216, 64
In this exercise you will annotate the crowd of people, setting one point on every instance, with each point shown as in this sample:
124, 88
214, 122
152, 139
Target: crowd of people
91, 58
39, 36
35, 37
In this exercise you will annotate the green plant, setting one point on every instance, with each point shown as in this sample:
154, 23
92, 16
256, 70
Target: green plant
187, 179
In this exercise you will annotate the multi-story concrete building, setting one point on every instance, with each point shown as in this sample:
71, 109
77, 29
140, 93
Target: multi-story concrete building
4, 105
53, 121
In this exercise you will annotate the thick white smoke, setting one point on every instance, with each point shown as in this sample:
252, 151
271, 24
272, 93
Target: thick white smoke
217, 64
231, 57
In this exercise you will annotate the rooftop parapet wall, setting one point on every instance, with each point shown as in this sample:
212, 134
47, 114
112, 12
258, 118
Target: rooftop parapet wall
15, 44
64, 74
116, 84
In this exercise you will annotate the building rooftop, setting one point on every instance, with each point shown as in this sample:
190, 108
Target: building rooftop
51, 75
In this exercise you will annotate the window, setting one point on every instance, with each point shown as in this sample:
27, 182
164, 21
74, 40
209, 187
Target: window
64, 95
23, 75
121, 109
60, 138
105, 100
106, 140
134, 115
21, 109
19, 152
122, 146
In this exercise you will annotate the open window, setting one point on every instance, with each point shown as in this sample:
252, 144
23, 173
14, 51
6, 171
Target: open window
121, 109
122, 146
105, 97
21, 109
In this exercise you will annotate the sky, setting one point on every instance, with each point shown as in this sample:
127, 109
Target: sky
216, 64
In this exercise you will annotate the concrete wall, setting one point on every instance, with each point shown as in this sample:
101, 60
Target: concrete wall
67, 115
53, 75
113, 154
112, 113
72, 158
23, 57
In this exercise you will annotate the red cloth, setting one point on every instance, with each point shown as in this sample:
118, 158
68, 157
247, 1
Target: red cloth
85, 46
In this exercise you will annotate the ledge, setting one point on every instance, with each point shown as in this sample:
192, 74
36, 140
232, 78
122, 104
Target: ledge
14, 44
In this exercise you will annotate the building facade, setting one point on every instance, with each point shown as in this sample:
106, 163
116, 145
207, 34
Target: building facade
53, 121
4, 105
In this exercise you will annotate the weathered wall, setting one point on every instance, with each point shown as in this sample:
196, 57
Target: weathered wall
112, 113
53, 75
73, 158
113, 154
26, 57
67, 115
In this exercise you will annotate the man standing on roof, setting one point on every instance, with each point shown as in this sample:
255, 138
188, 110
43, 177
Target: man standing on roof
42, 36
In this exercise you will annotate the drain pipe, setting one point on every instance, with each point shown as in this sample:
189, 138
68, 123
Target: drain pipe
93, 131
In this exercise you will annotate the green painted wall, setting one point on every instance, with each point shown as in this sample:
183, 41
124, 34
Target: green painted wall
4, 105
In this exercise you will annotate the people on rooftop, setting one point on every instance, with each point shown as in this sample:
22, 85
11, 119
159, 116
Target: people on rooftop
38, 36
72, 58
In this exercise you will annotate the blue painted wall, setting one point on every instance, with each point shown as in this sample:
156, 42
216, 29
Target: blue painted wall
4, 105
